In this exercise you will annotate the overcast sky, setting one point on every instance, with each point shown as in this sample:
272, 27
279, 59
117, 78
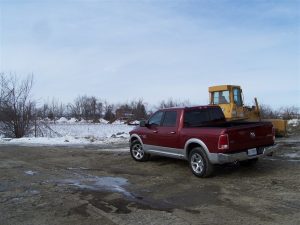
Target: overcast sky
124, 50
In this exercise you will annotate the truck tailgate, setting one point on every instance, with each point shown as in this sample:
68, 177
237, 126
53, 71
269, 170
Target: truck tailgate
249, 136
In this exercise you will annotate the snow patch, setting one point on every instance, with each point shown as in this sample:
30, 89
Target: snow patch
62, 120
103, 121
136, 122
294, 122
118, 122
72, 120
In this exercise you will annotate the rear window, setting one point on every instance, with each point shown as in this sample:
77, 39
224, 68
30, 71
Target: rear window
170, 119
200, 117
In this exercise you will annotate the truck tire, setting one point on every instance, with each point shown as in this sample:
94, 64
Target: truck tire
137, 152
199, 163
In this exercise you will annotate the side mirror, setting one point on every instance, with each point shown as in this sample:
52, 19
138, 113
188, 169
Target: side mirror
143, 123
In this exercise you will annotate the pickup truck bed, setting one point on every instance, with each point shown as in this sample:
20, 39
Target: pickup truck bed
201, 131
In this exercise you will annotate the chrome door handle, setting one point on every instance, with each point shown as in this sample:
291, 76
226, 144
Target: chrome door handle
155, 131
172, 132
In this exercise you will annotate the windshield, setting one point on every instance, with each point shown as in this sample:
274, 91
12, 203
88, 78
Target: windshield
221, 97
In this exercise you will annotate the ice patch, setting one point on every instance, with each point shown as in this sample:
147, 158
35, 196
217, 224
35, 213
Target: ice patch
293, 155
77, 168
30, 172
110, 184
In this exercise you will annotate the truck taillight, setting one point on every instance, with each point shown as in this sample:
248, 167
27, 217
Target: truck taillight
273, 133
223, 142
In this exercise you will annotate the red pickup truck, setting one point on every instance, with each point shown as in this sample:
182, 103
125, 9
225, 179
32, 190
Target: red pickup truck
202, 136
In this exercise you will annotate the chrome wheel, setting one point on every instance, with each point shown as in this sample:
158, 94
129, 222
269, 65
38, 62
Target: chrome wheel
137, 151
197, 163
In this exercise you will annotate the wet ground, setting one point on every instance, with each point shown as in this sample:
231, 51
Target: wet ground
42, 185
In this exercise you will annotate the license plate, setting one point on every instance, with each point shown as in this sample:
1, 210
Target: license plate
252, 152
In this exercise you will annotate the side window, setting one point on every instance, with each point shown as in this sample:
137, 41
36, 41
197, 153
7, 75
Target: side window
170, 119
156, 118
237, 97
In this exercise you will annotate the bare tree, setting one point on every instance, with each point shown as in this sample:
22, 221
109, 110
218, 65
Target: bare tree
172, 103
289, 112
16, 107
99, 109
86, 107
138, 110
267, 112
109, 114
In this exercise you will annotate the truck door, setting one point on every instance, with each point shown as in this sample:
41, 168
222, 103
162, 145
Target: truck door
168, 131
150, 134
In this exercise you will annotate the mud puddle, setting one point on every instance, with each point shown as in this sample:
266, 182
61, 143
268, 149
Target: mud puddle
110, 195
110, 202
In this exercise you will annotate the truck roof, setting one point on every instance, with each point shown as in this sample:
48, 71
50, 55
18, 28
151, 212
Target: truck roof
222, 88
192, 107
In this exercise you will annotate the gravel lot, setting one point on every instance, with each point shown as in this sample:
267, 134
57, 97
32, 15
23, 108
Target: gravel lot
67, 185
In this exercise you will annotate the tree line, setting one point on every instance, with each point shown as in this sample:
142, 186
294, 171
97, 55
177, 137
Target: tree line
19, 111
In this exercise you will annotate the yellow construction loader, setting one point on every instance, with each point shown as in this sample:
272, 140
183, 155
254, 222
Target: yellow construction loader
230, 99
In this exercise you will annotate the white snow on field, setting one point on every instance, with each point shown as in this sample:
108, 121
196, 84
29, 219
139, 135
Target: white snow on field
294, 122
77, 134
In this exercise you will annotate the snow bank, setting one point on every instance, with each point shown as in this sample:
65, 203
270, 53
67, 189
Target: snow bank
136, 122
103, 121
99, 131
294, 122
62, 120
118, 122
78, 134
72, 120
82, 121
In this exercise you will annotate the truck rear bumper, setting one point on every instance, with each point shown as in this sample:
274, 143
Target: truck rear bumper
221, 158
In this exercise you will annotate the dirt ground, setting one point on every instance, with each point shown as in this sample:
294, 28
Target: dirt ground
103, 185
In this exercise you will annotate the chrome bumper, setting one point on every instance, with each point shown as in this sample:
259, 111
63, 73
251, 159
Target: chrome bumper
221, 158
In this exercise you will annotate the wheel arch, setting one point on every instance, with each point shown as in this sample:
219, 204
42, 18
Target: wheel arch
193, 143
134, 137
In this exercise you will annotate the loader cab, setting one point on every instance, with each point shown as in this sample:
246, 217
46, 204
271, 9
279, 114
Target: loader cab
229, 98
